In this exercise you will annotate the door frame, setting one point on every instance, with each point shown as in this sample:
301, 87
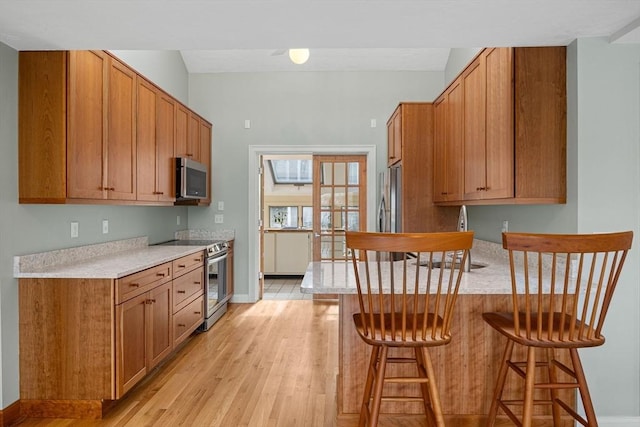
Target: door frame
253, 232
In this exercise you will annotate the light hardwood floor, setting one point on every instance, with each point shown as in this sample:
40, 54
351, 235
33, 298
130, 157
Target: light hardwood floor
269, 364
273, 363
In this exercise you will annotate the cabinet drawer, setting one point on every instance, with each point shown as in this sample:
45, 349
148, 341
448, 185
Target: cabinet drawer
188, 319
187, 285
138, 283
186, 263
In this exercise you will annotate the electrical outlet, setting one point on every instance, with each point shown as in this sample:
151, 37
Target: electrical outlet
218, 218
105, 226
505, 226
74, 229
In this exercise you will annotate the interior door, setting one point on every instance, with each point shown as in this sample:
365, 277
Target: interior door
339, 203
261, 226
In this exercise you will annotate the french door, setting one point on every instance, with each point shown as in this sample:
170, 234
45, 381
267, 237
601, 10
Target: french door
339, 203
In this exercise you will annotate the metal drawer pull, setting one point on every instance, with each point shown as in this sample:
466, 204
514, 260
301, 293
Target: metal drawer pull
182, 265
182, 292
160, 274
197, 312
181, 325
196, 283
134, 285
150, 301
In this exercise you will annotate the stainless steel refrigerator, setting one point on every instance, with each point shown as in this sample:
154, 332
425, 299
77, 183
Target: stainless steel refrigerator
390, 206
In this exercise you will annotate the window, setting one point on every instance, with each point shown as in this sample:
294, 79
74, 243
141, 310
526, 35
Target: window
283, 216
291, 171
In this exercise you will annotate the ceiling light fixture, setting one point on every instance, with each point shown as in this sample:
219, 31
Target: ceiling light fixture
299, 56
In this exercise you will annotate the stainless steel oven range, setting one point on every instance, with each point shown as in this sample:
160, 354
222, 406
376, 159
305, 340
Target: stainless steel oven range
215, 267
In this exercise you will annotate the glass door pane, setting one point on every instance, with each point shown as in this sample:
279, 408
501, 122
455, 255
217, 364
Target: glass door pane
339, 205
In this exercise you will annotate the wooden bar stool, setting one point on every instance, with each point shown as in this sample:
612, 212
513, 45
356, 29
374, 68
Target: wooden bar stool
561, 290
407, 289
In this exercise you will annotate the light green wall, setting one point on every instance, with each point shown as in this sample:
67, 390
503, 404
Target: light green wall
458, 60
296, 109
608, 198
35, 228
163, 67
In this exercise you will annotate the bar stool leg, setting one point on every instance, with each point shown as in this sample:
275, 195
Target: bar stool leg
584, 390
529, 382
553, 378
378, 384
502, 376
433, 389
365, 413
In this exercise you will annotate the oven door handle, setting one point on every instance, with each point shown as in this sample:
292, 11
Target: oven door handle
217, 258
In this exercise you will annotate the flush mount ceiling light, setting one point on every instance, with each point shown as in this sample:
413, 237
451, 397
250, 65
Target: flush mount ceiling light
299, 56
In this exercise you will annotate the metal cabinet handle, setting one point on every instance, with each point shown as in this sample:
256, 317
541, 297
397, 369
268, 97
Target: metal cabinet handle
182, 292
134, 285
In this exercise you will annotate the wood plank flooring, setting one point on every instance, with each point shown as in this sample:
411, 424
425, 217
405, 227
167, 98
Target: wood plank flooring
273, 363
269, 364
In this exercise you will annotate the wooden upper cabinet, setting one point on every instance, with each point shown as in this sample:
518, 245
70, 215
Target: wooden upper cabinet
513, 128
155, 139
488, 126
205, 153
101, 124
121, 133
448, 145
182, 128
188, 134
499, 147
86, 126
439, 149
82, 115
165, 140
394, 137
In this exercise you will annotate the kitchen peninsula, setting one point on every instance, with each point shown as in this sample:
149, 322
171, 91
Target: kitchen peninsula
466, 368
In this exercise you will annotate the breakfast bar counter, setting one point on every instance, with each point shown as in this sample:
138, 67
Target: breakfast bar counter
466, 368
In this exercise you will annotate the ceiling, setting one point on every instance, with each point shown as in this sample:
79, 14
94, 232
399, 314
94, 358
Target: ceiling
253, 35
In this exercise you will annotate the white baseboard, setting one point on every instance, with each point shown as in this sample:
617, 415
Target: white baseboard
242, 299
619, 421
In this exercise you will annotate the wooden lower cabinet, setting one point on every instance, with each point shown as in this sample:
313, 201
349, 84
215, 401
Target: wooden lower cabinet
85, 343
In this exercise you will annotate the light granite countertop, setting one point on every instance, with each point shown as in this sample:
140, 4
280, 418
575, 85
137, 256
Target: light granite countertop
109, 260
494, 278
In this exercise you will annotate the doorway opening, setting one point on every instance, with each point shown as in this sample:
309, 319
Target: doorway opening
257, 222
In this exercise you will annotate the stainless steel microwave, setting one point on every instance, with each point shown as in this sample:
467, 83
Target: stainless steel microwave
191, 179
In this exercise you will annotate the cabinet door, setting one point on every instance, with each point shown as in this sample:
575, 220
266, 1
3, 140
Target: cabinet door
146, 141
439, 150
230, 272
160, 339
394, 137
205, 153
182, 126
131, 348
165, 138
499, 124
292, 252
86, 124
121, 134
454, 150
269, 253
193, 137
474, 105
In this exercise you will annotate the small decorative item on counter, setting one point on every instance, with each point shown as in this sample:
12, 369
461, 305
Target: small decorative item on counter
280, 218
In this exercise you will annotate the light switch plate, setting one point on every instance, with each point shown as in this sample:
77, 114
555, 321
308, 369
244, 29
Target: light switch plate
105, 226
221, 205
74, 229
